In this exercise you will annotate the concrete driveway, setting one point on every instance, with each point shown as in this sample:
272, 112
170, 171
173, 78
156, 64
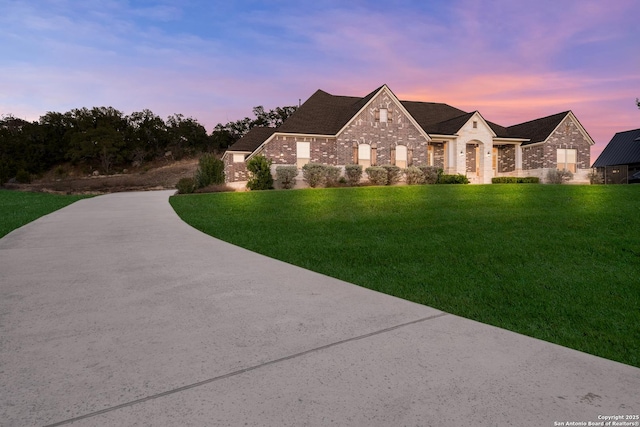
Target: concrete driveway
113, 312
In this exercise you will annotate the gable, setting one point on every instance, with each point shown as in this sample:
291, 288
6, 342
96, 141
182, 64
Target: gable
623, 149
383, 98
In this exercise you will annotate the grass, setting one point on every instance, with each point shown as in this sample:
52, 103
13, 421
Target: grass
18, 208
559, 263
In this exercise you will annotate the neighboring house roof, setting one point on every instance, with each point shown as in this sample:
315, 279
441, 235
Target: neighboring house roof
252, 139
623, 149
537, 130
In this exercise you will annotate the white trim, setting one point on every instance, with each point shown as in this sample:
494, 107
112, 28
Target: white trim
477, 114
535, 144
435, 137
398, 104
514, 141
234, 152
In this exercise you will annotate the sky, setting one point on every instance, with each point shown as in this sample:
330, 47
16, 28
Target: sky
512, 60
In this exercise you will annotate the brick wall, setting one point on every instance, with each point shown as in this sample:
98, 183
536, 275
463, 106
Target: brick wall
506, 158
282, 150
438, 154
471, 157
234, 171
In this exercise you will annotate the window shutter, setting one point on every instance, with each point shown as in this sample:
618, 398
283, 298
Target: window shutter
377, 115
374, 150
393, 155
389, 115
410, 157
355, 154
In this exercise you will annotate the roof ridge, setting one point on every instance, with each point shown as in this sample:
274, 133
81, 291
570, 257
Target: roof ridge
564, 113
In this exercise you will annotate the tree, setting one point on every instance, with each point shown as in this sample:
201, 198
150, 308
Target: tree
638, 102
225, 135
146, 136
261, 178
186, 135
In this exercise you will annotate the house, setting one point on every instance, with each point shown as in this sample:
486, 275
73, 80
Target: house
380, 129
619, 162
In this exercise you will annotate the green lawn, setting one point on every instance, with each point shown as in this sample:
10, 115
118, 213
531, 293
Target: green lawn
18, 208
560, 263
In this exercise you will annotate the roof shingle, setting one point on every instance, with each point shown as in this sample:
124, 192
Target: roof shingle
536, 130
252, 139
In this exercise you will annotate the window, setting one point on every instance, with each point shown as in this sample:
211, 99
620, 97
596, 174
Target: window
303, 153
567, 158
383, 115
475, 124
238, 158
401, 156
364, 155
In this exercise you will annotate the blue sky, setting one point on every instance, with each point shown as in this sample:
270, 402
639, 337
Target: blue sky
214, 61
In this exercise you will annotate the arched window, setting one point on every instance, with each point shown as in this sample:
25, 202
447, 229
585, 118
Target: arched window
303, 153
401, 156
364, 155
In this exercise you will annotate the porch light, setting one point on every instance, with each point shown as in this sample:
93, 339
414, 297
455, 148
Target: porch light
488, 153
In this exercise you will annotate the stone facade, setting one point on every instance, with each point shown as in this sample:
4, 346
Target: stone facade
367, 128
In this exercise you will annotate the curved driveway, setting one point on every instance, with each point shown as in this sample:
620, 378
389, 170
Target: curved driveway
113, 312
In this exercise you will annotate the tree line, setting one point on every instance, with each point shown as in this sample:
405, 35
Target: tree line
103, 138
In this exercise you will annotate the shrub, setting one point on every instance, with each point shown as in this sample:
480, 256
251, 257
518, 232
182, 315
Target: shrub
332, 175
453, 179
353, 174
59, 171
515, 180
557, 176
210, 171
377, 175
393, 173
260, 169
23, 177
286, 176
595, 177
413, 175
4, 172
186, 186
314, 174
431, 174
